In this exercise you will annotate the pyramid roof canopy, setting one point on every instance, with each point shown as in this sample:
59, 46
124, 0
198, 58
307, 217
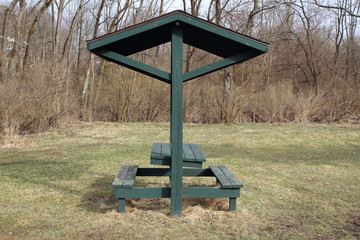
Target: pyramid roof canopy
226, 43
199, 33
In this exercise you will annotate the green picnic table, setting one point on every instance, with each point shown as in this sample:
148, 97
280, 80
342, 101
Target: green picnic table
192, 156
185, 160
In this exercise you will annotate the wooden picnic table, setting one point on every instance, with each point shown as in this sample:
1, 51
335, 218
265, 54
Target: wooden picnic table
179, 28
191, 155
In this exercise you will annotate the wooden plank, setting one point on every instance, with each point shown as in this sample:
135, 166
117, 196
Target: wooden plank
192, 164
232, 204
142, 192
165, 151
197, 153
203, 172
160, 162
232, 179
176, 138
121, 175
162, 151
130, 177
168, 163
225, 183
188, 154
134, 65
121, 206
188, 192
166, 172
212, 67
154, 172
210, 192
224, 33
131, 31
156, 151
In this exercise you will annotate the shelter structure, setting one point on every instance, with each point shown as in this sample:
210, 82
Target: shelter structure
176, 27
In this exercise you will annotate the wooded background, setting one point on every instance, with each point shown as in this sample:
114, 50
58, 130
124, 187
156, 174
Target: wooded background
47, 77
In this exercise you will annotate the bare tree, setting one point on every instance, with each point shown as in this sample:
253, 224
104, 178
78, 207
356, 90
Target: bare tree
32, 29
113, 23
308, 41
4, 39
346, 6
14, 54
92, 59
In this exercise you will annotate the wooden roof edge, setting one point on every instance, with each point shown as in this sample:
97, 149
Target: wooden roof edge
224, 28
132, 26
173, 13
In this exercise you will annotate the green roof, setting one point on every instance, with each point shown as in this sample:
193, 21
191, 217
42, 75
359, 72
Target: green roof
226, 43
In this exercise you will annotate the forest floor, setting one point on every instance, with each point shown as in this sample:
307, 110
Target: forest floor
300, 182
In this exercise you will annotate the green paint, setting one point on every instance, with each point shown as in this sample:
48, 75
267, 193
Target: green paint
192, 156
143, 192
166, 172
188, 192
225, 177
238, 58
210, 192
199, 157
126, 176
176, 138
134, 65
224, 33
121, 207
160, 162
232, 204
103, 42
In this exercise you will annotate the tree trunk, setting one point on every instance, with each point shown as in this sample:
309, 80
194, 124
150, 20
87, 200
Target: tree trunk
4, 39
83, 101
58, 29
250, 21
14, 55
32, 30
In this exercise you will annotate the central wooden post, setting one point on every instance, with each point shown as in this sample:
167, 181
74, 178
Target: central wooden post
176, 119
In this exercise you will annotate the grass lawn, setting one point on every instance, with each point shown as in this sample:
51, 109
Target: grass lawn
300, 182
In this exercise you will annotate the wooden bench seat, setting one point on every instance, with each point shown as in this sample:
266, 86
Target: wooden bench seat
227, 181
124, 184
192, 156
126, 177
225, 177
124, 180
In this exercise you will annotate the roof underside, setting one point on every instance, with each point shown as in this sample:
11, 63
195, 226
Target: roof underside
196, 32
198, 38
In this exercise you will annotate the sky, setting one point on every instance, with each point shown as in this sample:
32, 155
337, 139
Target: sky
176, 5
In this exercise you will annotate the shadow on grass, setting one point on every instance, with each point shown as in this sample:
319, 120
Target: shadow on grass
13, 163
51, 174
99, 198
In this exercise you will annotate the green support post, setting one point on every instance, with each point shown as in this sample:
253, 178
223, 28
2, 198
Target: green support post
232, 204
176, 124
121, 202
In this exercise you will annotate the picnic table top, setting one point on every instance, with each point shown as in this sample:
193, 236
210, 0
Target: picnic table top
191, 152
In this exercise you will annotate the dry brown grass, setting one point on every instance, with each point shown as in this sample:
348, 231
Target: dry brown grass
33, 104
44, 99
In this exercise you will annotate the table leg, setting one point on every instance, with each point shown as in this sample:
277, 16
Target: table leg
122, 205
232, 204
